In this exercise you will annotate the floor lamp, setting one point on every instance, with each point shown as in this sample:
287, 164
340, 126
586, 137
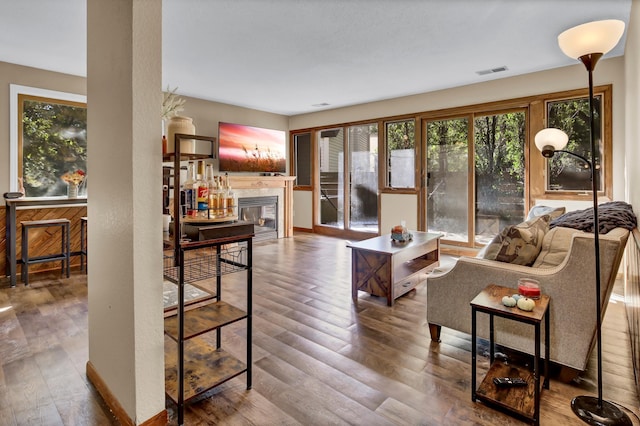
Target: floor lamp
587, 43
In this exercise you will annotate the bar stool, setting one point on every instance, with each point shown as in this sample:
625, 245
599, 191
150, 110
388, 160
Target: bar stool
65, 247
83, 245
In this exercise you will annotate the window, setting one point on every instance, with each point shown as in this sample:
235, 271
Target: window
565, 172
482, 170
48, 139
401, 153
302, 159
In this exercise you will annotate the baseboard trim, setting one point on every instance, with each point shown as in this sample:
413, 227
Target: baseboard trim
114, 405
298, 229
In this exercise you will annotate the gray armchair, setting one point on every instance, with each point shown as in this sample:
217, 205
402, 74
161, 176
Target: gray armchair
570, 285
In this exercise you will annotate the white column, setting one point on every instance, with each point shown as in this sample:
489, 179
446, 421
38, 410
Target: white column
124, 51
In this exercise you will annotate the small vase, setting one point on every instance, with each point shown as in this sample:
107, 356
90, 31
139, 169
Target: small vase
72, 190
178, 124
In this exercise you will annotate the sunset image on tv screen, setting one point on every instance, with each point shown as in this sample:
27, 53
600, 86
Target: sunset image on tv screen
251, 149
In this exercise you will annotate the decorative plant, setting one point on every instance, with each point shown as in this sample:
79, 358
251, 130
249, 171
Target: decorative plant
172, 104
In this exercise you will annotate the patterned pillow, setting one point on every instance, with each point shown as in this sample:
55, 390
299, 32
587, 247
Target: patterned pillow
519, 244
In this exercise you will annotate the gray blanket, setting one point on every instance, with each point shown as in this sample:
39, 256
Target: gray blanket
610, 215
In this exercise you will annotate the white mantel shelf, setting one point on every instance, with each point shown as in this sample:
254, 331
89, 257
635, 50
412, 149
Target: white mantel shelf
239, 182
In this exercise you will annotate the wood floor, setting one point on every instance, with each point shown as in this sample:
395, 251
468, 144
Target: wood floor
318, 359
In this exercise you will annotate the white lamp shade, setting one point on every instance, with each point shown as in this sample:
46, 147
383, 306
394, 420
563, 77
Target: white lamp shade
592, 37
551, 137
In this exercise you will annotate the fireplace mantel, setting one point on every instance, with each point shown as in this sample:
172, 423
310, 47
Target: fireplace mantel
240, 182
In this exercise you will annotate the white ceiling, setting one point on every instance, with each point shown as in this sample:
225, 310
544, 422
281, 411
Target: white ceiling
285, 56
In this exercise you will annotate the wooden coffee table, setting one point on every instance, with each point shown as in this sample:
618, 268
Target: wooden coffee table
389, 269
521, 401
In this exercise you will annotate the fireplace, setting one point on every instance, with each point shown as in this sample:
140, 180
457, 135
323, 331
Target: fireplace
263, 213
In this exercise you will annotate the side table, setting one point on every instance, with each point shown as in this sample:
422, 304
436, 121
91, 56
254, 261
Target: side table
522, 401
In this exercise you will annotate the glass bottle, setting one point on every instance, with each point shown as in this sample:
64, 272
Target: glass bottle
202, 192
189, 193
232, 199
211, 185
222, 199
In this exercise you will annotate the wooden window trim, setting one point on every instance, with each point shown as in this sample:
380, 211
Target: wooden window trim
292, 157
535, 175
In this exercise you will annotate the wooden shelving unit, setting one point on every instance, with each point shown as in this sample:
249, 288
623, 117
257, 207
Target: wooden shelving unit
194, 359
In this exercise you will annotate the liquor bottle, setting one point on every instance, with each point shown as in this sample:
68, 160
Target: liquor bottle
211, 185
222, 199
189, 193
202, 192
232, 199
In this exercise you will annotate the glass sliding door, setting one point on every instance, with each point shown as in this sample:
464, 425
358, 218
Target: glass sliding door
475, 175
363, 177
447, 143
331, 193
499, 143
348, 201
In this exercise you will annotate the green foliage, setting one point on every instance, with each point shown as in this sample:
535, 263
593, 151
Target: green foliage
499, 147
498, 144
572, 116
401, 135
53, 142
447, 145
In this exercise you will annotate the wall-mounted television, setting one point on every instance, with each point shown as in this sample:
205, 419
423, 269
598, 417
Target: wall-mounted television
251, 149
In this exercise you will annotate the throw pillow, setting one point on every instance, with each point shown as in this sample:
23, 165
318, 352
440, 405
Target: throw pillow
555, 247
519, 244
553, 212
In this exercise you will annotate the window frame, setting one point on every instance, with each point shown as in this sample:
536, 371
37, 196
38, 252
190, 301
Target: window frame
385, 170
294, 158
535, 175
606, 137
15, 123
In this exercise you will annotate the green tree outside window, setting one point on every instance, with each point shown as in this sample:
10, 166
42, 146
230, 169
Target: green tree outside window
53, 138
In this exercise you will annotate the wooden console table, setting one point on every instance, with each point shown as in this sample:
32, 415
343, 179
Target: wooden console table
388, 269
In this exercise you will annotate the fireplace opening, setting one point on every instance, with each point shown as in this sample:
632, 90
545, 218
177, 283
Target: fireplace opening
263, 213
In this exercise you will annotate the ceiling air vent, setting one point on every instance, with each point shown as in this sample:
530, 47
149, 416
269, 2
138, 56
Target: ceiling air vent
492, 70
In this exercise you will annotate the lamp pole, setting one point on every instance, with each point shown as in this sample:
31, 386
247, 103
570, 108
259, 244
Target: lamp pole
589, 62
587, 43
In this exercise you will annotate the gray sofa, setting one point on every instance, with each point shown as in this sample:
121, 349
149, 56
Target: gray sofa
570, 285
